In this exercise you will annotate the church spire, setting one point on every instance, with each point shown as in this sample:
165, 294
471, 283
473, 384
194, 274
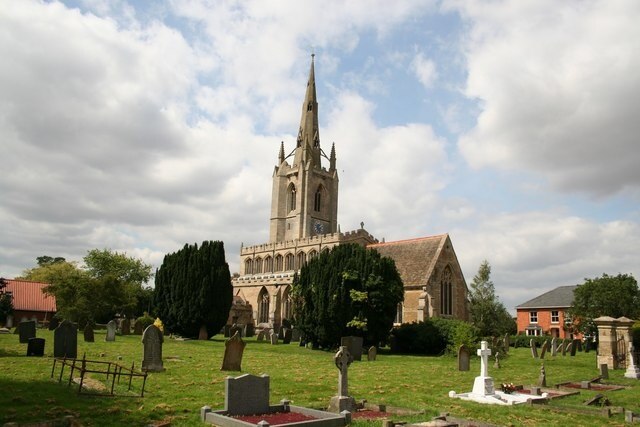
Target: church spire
308, 143
281, 153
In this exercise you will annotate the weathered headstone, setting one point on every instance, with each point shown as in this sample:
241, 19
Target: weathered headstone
89, 336
295, 335
574, 347
65, 340
372, 353
27, 329
54, 323
235, 328
111, 331
342, 401
604, 371
138, 328
227, 331
125, 326
568, 348
274, 338
497, 362
354, 345
35, 347
246, 395
542, 378
203, 335
287, 336
544, 349
233, 349
464, 357
152, 339
249, 330
261, 335
534, 349
633, 367
554, 347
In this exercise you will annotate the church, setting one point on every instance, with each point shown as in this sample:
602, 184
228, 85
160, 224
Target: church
304, 223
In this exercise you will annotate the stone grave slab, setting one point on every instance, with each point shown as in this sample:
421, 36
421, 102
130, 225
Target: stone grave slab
287, 336
354, 344
296, 335
54, 323
464, 356
246, 394
372, 353
574, 347
111, 331
26, 329
88, 333
65, 340
544, 349
152, 339
233, 350
534, 349
554, 347
125, 326
342, 401
274, 338
138, 328
35, 347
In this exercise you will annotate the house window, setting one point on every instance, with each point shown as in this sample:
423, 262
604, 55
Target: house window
555, 316
533, 332
533, 317
398, 319
446, 293
263, 308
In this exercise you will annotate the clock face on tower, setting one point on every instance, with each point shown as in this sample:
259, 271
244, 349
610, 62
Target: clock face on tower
318, 227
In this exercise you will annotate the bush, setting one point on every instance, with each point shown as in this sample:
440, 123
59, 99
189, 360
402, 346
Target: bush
145, 321
418, 338
635, 335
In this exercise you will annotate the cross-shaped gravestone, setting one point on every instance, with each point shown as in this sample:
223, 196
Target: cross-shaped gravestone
483, 384
342, 402
484, 352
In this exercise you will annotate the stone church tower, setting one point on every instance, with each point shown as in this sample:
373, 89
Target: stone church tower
304, 200
304, 223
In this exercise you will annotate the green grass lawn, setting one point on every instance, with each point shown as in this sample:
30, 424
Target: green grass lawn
306, 377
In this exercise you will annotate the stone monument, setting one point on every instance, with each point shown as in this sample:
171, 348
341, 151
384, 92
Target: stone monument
342, 402
233, 350
152, 340
65, 340
111, 331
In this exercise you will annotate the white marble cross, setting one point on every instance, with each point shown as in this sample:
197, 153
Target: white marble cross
484, 352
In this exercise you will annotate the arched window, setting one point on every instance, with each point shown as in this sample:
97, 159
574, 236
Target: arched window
279, 260
325, 250
286, 304
291, 195
257, 266
248, 266
263, 306
312, 254
302, 259
289, 263
268, 264
317, 201
446, 293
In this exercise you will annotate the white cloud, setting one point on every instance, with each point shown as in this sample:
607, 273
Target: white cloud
559, 88
425, 70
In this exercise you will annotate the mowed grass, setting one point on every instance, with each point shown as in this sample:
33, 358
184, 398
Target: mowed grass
306, 377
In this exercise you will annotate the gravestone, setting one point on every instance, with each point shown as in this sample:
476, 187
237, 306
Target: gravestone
604, 371
125, 326
633, 367
274, 338
203, 335
261, 335
246, 395
88, 333
111, 331
342, 401
554, 347
235, 328
568, 348
372, 354
534, 349
542, 378
249, 330
138, 328
544, 349
152, 340
354, 345
574, 347
54, 323
560, 348
287, 336
496, 364
65, 340
26, 329
464, 357
295, 335
233, 349
35, 347
227, 331
483, 384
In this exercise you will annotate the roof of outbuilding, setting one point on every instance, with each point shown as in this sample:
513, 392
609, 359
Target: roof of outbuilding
415, 258
29, 296
559, 297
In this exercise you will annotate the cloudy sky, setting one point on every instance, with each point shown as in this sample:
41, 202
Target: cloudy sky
141, 126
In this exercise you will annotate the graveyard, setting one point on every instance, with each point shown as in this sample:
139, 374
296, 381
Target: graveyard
412, 388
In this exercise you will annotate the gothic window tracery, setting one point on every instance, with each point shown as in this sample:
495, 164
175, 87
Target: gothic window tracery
302, 259
446, 293
248, 266
257, 265
286, 304
279, 263
289, 262
291, 194
268, 264
317, 201
263, 306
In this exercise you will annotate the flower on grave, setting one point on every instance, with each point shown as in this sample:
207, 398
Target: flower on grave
159, 324
508, 388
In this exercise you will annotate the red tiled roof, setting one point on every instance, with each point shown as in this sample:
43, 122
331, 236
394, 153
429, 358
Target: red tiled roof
29, 296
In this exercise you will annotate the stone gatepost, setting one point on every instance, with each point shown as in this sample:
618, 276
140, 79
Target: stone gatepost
607, 340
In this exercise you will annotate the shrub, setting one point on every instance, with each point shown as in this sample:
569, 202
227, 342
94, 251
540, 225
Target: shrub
635, 335
418, 338
145, 321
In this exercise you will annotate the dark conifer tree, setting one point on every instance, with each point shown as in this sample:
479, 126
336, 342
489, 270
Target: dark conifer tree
193, 288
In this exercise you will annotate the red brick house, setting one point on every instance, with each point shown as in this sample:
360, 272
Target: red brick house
30, 302
546, 314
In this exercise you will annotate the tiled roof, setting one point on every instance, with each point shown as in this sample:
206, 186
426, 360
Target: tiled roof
28, 296
415, 258
557, 298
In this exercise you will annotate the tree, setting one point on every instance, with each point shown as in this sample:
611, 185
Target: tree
45, 260
488, 314
193, 289
105, 262
6, 302
614, 296
347, 291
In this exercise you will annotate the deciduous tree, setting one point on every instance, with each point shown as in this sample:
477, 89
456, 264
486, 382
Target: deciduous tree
488, 314
6, 302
